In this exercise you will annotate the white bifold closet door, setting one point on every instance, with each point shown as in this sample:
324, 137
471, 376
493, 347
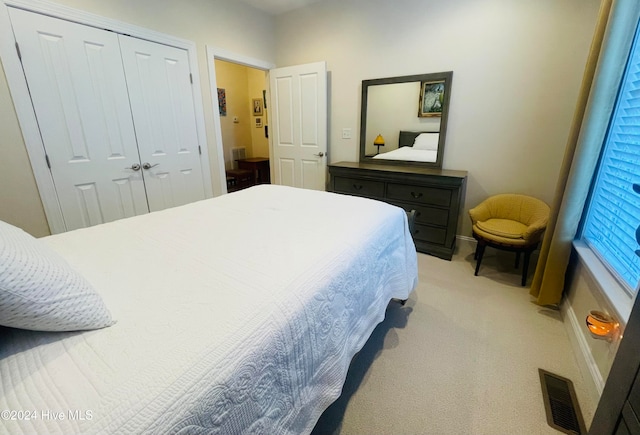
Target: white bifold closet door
158, 79
106, 105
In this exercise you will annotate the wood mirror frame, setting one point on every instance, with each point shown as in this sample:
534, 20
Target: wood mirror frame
413, 128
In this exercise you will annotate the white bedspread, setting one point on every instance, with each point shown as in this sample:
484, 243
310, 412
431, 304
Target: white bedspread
408, 153
235, 315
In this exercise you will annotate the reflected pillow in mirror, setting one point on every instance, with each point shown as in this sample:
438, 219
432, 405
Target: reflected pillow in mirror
426, 141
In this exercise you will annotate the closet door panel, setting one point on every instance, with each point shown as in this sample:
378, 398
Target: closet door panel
158, 79
76, 81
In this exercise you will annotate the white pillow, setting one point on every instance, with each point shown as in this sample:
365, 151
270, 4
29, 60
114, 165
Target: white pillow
426, 141
40, 291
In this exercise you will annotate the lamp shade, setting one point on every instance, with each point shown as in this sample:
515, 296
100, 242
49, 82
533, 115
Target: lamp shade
379, 140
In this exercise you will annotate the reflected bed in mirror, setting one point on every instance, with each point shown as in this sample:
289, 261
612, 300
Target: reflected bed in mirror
404, 119
414, 146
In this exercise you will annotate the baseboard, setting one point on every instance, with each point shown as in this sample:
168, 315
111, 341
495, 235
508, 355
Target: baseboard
466, 238
588, 367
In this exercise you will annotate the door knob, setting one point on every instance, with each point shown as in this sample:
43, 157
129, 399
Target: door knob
320, 154
134, 167
147, 165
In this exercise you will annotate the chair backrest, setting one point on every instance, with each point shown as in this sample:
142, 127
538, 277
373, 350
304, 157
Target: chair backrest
521, 208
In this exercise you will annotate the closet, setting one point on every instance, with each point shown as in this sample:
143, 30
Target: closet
116, 116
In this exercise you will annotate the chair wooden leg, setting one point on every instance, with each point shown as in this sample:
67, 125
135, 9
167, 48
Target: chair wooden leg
525, 267
479, 254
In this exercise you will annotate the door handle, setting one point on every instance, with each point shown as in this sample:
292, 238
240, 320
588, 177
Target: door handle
147, 165
134, 167
320, 154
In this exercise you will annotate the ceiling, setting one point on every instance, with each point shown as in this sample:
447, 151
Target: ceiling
277, 7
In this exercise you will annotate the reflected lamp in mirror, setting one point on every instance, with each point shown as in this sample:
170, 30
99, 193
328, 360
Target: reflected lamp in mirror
378, 142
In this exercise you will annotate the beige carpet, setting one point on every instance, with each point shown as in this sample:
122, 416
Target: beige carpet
461, 357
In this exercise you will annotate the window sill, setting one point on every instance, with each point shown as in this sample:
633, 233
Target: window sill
609, 286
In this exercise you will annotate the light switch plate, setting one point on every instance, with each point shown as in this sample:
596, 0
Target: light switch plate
346, 133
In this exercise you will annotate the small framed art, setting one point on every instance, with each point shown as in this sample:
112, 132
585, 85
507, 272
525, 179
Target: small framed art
431, 98
222, 102
257, 106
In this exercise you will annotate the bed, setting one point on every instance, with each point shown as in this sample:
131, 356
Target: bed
415, 146
238, 314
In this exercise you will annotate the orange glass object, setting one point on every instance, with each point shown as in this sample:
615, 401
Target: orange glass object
601, 325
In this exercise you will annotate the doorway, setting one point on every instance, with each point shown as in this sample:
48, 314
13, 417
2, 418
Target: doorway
239, 92
299, 118
244, 123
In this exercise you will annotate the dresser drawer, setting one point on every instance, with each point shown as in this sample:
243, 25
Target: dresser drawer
426, 214
358, 186
429, 234
420, 194
435, 194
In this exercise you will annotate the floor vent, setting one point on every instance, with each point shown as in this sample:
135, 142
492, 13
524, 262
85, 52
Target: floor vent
561, 404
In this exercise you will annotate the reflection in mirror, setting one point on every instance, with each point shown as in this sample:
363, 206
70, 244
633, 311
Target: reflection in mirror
393, 108
404, 121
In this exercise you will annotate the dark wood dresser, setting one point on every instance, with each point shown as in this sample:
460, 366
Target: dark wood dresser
435, 194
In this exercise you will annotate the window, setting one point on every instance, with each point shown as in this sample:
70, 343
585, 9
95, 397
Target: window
613, 213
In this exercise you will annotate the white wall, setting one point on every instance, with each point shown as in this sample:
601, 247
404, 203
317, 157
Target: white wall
227, 24
20, 202
517, 67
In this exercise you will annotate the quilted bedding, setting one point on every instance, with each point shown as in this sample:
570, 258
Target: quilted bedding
238, 314
408, 153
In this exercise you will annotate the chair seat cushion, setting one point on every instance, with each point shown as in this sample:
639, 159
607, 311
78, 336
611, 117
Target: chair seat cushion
503, 228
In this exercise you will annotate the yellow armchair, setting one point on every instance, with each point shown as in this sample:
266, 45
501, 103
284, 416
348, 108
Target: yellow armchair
510, 222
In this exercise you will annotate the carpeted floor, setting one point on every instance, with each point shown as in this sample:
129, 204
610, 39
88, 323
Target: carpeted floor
461, 357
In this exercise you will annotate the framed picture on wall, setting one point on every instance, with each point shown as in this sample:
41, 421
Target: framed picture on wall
431, 98
258, 122
222, 102
257, 106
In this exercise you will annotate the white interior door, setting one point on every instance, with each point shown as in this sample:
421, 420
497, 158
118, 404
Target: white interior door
78, 90
158, 78
299, 120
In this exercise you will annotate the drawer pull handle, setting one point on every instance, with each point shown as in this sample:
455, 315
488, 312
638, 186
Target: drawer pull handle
416, 195
357, 186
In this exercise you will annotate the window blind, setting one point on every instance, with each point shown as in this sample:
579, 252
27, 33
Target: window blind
614, 210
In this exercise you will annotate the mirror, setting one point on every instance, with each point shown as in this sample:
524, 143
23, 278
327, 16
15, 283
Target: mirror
403, 120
